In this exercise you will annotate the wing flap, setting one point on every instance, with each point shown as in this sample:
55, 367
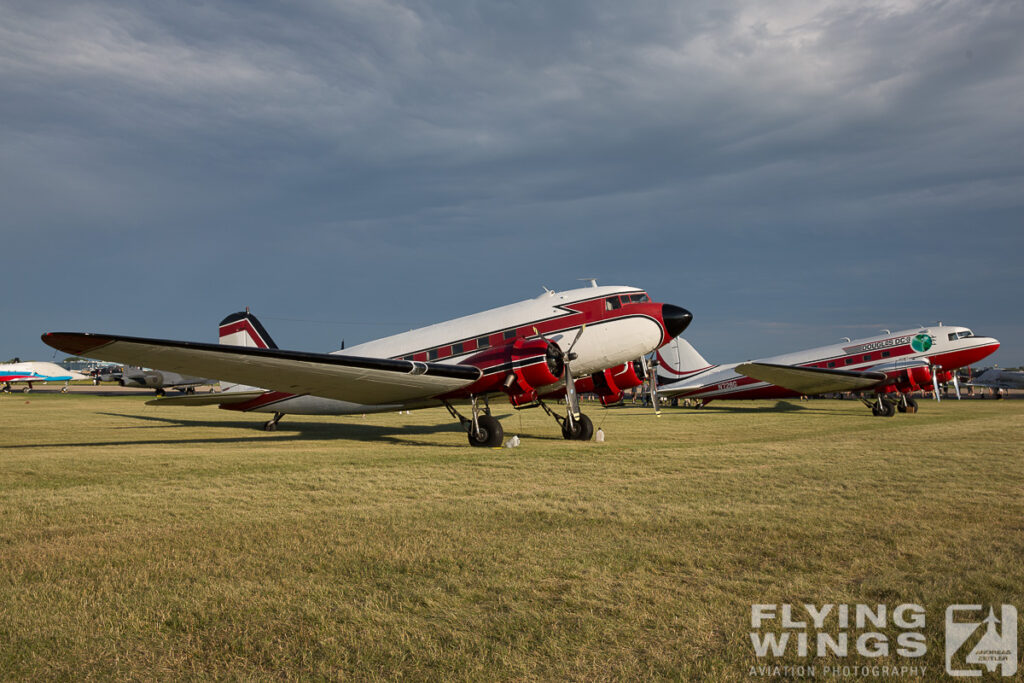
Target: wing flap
810, 380
355, 379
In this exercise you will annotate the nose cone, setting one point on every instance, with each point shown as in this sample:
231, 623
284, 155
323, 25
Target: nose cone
676, 319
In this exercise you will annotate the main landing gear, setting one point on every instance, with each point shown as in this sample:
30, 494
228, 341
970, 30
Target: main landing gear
271, 424
888, 406
483, 430
573, 428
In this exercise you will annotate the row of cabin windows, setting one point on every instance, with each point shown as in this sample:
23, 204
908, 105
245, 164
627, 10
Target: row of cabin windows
614, 302
461, 347
866, 358
610, 304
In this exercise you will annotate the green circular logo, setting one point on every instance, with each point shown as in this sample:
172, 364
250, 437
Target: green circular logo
921, 343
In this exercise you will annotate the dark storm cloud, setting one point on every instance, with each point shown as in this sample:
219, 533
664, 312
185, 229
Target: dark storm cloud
798, 166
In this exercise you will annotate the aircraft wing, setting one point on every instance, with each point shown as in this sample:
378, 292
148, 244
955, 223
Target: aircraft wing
217, 398
345, 378
810, 380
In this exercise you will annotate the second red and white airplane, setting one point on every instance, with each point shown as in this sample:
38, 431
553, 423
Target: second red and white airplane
886, 368
528, 351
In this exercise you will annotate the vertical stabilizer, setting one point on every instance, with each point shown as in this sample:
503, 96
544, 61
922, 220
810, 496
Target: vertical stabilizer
678, 360
243, 329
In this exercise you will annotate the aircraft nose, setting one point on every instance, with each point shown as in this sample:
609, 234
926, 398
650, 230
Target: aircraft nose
676, 319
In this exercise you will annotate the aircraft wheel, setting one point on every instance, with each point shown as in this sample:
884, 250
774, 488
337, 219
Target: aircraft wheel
911, 405
490, 434
900, 407
63, 390
876, 410
270, 426
581, 430
888, 409
25, 390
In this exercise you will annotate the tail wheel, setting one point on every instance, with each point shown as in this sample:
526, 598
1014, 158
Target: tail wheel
580, 430
489, 434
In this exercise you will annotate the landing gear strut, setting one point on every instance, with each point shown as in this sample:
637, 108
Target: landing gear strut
907, 404
573, 428
483, 430
271, 424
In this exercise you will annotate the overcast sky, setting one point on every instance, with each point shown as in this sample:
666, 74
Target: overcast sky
791, 172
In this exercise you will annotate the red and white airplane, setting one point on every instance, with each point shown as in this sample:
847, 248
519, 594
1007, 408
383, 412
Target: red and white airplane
528, 351
888, 367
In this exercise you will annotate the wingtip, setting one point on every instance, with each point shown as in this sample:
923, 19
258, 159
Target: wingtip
75, 343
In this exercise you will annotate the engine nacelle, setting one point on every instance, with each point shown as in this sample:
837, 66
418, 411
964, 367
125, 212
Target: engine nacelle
629, 375
535, 363
919, 376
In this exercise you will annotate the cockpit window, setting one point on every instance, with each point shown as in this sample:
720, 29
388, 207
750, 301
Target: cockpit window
638, 298
963, 334
611, 303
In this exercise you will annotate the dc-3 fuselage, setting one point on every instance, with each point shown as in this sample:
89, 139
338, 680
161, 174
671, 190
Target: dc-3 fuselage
892, 363
587, 339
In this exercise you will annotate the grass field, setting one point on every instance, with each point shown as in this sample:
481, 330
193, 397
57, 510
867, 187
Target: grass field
152, 543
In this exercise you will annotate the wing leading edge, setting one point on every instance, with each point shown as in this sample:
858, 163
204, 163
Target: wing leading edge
355, 379
810, 380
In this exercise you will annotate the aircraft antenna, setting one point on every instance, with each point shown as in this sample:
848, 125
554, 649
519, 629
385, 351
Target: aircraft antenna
847, 340
887, 331
591, 280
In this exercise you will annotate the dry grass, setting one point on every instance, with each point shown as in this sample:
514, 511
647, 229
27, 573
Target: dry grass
139, 542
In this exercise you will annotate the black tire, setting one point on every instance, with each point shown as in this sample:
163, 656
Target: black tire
270, 426
581, 430
911, 405
876, 410
888, 409
490, 434
901, 408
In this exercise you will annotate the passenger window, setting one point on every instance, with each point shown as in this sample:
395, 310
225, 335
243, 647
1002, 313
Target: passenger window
867, 357
832, 364
611, 303
483, 342
432, 354
886, 354
509, 334
849, 361
456, 349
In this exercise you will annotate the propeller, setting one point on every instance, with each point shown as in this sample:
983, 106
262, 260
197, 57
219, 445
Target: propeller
956, 385
935, 382
572, 399
651, 370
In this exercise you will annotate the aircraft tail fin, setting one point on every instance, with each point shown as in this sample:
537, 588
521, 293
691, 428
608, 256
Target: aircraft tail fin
678, 360
243, 329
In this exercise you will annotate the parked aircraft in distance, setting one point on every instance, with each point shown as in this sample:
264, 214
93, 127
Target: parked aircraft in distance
161, 380
529, 351
998, 380
887, 366
30, 372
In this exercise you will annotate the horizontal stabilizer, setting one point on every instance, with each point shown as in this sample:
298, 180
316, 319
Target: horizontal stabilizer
211, 399
809, 381
356, 379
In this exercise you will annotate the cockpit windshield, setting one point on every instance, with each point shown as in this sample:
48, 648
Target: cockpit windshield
962, 334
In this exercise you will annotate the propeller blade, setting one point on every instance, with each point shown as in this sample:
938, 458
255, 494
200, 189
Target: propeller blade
935, 383
650, 369
572, 399
571, 346
956, 385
